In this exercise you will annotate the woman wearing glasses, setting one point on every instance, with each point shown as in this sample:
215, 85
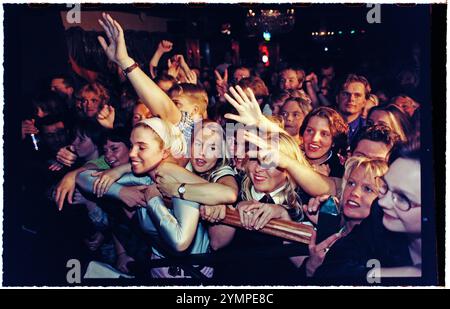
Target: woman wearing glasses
400, 199
391, 235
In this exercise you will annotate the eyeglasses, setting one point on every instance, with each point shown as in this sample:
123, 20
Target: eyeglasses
402, 202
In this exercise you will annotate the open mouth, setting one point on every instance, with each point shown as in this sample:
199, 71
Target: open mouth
313, 147
200, 162
259, 178
111, 162
352, 204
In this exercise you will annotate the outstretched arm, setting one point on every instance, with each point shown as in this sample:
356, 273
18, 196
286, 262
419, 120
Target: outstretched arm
163, 47
249, 110
305, 176
153, 97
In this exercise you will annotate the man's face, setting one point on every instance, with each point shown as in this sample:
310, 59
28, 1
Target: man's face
57, 85
372, 150
55, 135
289, 80
327, 73
352, 99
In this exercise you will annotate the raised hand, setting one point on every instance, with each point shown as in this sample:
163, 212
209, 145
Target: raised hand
173, 68
106, 116
221, 82
28, 128
246, 105
312, 209
116, 51
317, 252
269, 155
191, 77
165, 46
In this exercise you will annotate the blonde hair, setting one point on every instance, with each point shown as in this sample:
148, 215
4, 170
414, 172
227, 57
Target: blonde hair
372, 167
195, 94
170, 137
304, 105
289, 147
225, 155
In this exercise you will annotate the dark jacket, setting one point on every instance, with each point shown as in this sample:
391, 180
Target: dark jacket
349, 256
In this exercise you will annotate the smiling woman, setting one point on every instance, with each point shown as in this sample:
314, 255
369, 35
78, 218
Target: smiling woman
392, 234
324, 135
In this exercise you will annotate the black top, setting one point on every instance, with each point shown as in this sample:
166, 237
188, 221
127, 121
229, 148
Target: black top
348, 257
257, 259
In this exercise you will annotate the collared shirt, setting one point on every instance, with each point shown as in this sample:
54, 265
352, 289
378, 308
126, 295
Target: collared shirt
277, 198
355, 126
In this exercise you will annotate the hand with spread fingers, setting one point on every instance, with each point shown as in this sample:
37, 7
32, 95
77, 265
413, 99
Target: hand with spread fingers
221, 82
116, 50
317, 252
246, 105
104, 180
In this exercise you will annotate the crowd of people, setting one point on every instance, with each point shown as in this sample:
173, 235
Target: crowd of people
155, 164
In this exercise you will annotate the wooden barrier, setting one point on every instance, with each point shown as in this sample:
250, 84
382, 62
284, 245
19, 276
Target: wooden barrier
289, 230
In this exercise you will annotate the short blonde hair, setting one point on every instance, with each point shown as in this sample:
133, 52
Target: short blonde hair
373, 167
195, 94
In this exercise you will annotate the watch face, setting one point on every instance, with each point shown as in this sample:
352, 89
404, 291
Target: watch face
182, 189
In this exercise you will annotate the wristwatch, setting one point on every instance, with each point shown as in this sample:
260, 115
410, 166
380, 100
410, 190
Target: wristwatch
181, 190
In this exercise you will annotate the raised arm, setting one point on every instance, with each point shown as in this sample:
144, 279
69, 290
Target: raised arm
249, 110
307, 178
163, 47
153, 97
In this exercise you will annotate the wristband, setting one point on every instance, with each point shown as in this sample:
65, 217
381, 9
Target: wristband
130, 68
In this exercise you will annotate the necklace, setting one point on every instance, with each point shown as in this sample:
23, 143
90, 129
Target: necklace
323, 161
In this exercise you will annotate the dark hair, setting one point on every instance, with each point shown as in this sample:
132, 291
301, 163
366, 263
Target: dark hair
409, 150
376, 133
164, 77
298, 71
120, 134
338, 127
67, 79
91, 129
50, 102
